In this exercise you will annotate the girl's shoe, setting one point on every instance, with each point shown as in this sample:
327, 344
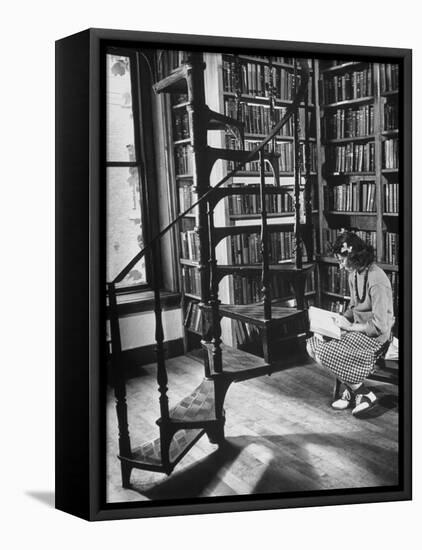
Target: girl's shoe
346, 400
364, 402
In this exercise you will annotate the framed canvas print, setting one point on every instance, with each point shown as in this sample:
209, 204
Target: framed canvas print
233, 274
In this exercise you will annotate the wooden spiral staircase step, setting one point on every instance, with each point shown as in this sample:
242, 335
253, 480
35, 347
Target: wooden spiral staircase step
148, 455
197, 407
174, 83
239, 365
254, 314
289, 269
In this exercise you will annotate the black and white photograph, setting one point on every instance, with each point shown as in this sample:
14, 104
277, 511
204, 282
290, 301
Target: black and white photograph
253, 244
211, 288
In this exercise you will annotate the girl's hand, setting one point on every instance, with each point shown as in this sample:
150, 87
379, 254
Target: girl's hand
357, 327
343, 323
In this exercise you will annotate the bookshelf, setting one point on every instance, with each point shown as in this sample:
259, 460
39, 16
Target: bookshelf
357, 128
257, 90
352, 158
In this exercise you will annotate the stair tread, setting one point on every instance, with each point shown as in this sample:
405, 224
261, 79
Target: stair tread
222, 232
254, 313
198, 406
239, 363
219, 121
240, 154
284, 267
175, 82
149, 454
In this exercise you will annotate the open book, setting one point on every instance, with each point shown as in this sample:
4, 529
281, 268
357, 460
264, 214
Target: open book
324, 322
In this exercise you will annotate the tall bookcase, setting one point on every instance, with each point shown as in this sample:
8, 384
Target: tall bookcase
258, 90
357, 128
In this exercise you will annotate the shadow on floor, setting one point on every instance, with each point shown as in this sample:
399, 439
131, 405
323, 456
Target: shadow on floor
291, 467
45, 497
192, 481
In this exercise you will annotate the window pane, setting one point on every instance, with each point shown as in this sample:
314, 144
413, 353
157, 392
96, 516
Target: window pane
120, 135
124, 225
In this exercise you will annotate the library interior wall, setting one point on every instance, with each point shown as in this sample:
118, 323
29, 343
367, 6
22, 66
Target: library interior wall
138, 330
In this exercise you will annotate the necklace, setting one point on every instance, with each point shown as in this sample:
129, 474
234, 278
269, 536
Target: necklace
358, 298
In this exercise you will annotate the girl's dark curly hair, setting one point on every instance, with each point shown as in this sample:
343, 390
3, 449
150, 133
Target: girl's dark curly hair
361, 255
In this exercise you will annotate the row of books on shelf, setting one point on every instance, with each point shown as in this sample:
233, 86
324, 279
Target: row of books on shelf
285, 150
193, 317
335, 280
251, 204
390, 150
352, 157
255, 79
249, 337
260, 119
391, 198
180, 124
186, 196
391, 116
246, 249
191, 280
391, 248
183, 159
247, 291
169, 60
354, 196
350, 85
389, 77
349, 123
190, 244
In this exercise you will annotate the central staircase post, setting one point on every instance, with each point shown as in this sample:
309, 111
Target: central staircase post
265, 288
296, 126
264, 242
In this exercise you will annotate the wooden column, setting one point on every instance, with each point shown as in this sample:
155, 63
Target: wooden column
308, 183
296, 143
197, 115
214, 301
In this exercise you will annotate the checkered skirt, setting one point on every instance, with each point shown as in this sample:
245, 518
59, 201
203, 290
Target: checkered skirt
352, 358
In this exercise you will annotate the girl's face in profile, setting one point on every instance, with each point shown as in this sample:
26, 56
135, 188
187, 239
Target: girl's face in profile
343, 262
342, 258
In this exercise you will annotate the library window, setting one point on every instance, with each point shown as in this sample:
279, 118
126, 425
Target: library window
125, 185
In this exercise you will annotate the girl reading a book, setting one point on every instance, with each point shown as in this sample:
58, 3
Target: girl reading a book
365, 325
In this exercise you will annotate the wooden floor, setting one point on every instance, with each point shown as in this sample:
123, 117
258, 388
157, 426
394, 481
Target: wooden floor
282, 437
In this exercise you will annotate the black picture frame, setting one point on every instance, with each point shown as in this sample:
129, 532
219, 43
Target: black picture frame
80, 309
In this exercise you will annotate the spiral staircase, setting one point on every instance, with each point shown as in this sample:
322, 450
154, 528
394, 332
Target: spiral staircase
202, 410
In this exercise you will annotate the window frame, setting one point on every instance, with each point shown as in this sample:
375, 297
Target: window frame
141, 86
